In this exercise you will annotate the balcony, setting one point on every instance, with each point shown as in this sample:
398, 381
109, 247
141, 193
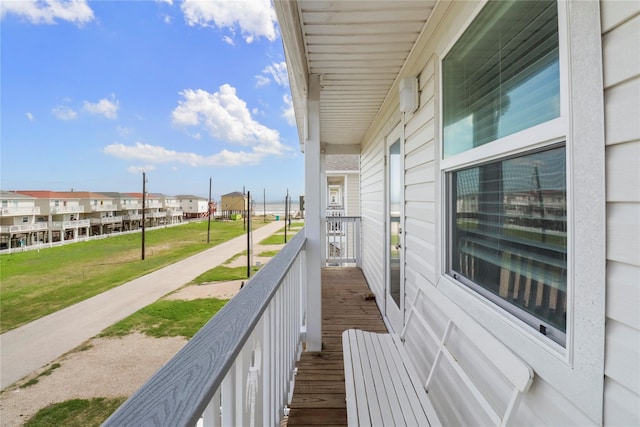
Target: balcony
24, 210
242, 366
65, 225
343, 241
103, 208
65, 209
23, 228
105, 220
132, 217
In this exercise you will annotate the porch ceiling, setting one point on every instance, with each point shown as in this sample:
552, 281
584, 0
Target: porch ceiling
358, 49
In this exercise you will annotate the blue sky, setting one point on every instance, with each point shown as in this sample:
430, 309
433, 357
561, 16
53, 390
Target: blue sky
93, 93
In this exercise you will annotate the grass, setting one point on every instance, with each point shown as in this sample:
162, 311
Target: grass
168, 318
268, 253
36, 283
45, 373
224, 274
278, 239
76, 413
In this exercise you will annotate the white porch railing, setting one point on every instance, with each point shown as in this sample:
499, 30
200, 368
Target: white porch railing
105, 220
23, 228
19, 210
343, 240
239, 368
63, 225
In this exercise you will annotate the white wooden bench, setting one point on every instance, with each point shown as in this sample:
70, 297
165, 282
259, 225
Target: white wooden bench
383, 388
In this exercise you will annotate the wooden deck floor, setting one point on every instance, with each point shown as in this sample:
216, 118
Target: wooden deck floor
319, 396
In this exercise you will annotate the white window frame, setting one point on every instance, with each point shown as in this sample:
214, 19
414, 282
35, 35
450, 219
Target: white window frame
577, 370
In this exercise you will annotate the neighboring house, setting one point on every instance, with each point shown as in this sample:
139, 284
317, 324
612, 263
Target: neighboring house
129, 208
171, 207
154, 213
194, 206
19, 221
63, 213
101, 211
234, 203
499, 147
343, 184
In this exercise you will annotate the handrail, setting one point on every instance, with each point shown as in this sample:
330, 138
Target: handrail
180, 392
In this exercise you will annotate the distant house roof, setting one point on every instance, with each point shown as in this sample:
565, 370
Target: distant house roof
342, 162
46, 194
234, 194
6, 195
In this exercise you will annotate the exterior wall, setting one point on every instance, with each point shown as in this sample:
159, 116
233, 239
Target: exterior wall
621, 56
546, 403
372, 211
352, 196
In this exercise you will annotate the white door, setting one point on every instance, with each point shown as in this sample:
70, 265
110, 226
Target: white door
394, 218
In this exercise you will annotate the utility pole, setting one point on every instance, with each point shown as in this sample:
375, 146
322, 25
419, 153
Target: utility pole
264, 205
249, 236
209, 214
244, 210
144, 201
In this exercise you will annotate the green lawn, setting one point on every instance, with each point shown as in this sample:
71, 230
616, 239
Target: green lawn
76, 413
36, 283
168, 318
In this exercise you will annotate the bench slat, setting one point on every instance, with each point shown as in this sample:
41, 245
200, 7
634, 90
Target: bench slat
377, 397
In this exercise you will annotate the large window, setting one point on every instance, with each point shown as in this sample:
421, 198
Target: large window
507, 209
502, 76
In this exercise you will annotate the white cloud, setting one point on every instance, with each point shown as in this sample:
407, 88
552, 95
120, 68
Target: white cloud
278, 71
262, 80
155, 154
105, 107
63, 112
48, 11
140, 169
226, 117
229, 40
30, 116
287, 111
254, 18
170, 2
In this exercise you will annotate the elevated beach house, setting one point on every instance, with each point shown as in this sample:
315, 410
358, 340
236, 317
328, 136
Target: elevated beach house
499, 146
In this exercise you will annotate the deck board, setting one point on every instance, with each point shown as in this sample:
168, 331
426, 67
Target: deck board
319, 394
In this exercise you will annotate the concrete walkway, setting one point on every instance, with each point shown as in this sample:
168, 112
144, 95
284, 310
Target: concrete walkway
30, 347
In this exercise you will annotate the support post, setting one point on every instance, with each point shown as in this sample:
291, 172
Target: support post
209, 214
312, 217
144, 201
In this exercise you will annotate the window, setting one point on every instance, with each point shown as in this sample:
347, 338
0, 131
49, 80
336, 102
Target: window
507, 202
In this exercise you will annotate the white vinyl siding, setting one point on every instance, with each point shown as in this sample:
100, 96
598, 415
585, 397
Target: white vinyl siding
352, 184
621, 57
372, 211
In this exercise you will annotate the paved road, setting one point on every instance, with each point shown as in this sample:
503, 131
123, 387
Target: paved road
30, 347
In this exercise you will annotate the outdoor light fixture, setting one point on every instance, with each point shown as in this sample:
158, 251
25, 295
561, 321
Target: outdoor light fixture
408, 94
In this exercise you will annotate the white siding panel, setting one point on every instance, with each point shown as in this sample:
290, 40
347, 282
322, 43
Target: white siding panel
623, 172
423, 154
353, 194
623, 355
621, 52
422, 135
423, 210
615, 12
623, 293
622, 110
621, 61
621, 405
423, 173
372, 211
623, 233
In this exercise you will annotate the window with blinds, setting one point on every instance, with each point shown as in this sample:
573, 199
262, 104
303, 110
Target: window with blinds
507, 232
502, 76
509, 235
